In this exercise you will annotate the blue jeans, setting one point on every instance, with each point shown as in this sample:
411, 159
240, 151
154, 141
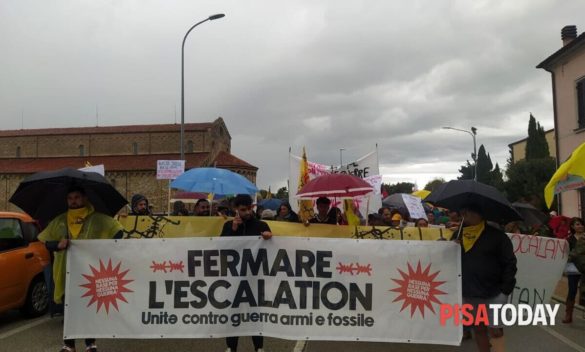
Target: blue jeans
573, 281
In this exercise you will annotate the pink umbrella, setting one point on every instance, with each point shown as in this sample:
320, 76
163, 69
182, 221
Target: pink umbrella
335, 185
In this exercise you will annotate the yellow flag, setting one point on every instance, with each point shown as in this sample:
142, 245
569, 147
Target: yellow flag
305, 206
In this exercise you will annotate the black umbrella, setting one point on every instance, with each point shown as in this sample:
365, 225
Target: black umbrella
44, 195
458, 193
531, 215
395, 201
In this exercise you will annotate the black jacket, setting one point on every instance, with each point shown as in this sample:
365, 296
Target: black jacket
252, 227
489, 267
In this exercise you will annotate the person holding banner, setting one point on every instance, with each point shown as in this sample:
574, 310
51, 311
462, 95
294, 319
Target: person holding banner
323, 216
139, 205
577, 236
202, 207
245, 224
489, 270
80, 222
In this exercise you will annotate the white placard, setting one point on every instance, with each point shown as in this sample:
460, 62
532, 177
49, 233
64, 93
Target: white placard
99, 169
169, 169
414, 206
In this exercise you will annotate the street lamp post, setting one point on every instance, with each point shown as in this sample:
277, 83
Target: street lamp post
210, 18
473, 133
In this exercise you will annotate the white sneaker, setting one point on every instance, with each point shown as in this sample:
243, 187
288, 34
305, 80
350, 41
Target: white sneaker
260, 350
228, 350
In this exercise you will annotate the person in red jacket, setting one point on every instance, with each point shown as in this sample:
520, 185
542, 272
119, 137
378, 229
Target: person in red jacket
559, 225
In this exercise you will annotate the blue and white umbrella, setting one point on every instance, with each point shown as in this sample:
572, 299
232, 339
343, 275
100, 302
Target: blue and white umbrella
214, 180
272, 203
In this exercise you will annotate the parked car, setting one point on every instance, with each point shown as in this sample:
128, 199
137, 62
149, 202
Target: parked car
22, 260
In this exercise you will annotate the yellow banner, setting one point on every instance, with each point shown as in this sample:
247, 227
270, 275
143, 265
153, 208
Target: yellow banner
208, 226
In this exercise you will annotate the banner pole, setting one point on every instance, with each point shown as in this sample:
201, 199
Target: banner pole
169, 200
367, 210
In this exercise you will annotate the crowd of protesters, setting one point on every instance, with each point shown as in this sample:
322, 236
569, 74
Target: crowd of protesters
482, 284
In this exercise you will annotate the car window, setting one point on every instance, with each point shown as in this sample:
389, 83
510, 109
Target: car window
10, 234
30, 231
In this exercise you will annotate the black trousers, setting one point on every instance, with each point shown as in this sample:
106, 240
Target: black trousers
232, 342
71, 342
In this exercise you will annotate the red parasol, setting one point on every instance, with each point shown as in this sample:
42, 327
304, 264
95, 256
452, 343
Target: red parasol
335, 185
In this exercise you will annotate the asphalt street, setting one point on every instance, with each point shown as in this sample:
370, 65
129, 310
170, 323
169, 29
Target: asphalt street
44, 335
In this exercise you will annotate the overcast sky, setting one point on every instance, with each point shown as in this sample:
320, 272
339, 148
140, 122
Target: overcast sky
320, 74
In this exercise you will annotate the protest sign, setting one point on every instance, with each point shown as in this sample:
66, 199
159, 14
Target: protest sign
169, 169
294, 288
365, 167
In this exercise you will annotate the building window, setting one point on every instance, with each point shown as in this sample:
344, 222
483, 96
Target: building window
135, 148
81, 150
190, 147
581, 103
18, 152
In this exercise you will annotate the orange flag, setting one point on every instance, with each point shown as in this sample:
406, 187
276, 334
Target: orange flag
305, 206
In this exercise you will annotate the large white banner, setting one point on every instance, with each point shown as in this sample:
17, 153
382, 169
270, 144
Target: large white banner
293, 288
541, 261
365, 167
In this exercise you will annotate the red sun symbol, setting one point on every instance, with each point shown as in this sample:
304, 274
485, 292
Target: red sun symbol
106, 286
418, 289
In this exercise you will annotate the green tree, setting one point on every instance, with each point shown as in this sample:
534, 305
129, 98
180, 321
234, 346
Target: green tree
282, 193
536, 144
467, 171
497, 178
528, 177
484, 166
400, 187
433, 184
486, 172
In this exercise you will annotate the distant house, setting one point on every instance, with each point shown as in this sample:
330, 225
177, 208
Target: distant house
567, 68
518, 148
129, 154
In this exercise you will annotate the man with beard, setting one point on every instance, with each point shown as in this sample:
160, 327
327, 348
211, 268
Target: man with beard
245, 224
79, 222
201, 208
139, 205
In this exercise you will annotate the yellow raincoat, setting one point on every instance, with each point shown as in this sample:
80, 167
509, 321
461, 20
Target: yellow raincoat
95, 226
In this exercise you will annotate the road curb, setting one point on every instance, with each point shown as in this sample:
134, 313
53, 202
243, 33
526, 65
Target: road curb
558, 299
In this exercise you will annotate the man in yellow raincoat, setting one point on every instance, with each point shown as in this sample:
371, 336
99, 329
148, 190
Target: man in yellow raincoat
79, 222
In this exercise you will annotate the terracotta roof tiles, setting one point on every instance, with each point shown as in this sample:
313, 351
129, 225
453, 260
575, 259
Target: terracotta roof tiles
106, 129
111, 163
225, 159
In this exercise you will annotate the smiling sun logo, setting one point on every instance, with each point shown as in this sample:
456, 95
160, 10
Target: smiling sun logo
106, 286
418, 289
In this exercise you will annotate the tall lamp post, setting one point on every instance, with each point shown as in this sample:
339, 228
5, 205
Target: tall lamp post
210, 18
473, 133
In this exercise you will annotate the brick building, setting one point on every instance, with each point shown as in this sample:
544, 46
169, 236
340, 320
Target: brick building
129, 154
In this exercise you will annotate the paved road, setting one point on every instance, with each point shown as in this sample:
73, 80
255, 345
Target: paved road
43, 335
